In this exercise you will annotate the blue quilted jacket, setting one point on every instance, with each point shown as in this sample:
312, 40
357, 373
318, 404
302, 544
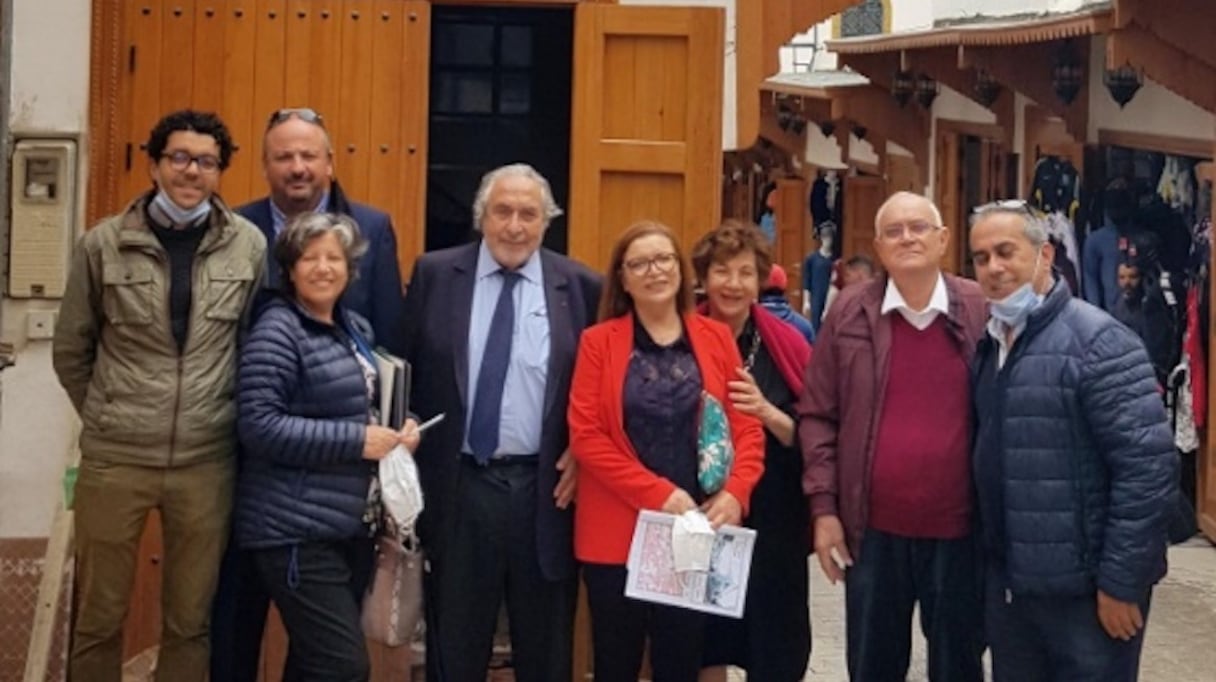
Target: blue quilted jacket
303, 410
1074, 462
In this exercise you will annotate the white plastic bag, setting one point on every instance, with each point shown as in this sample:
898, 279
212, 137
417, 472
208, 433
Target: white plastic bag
400, 489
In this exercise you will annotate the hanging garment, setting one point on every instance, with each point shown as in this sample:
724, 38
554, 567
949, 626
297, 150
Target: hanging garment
1192, 347
1177, 184
1068, 257
1056, 187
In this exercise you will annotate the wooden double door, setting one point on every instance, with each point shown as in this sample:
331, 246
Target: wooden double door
645, 102
644, 134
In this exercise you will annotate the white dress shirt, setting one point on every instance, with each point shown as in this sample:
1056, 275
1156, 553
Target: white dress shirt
939, 303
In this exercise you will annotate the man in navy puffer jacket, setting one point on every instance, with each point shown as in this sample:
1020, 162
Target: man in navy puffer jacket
1074, 465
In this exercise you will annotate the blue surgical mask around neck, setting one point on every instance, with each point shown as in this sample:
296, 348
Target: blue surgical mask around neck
176, 215
1014, 309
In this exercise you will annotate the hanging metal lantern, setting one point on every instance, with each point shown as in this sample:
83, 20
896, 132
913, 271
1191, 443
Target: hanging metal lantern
1123, 83
902, 87
926, 90
1066, 73
987, 90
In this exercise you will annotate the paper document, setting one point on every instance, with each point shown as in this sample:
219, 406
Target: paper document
652, 574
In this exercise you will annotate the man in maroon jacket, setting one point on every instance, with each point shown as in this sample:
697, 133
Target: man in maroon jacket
885, 431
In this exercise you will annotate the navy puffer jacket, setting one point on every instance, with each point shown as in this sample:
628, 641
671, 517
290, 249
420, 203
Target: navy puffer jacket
303, 411
1074, 461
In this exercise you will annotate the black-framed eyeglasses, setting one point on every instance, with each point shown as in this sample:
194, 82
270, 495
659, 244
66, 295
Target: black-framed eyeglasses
1004, 205
303, 113
180, 161
662, 262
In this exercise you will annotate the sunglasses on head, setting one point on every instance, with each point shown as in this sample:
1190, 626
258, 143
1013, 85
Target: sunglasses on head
303, 113
1014, 205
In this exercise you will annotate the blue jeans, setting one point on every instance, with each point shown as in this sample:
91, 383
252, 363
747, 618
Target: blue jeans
891, 575
1055, 638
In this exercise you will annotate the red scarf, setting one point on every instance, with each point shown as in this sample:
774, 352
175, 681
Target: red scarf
789, 350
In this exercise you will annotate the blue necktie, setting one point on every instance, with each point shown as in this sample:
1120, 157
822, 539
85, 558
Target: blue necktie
487, 401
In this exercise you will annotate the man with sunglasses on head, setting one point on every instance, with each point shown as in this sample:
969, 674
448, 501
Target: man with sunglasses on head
885, 429
297, 161
146, 348
1075, 467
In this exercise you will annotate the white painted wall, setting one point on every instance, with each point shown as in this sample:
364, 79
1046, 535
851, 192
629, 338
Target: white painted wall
50, 87
954, 10
1154, 110
729, 73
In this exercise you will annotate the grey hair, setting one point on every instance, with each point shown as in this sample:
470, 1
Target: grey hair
514, 170
901, 195
301, 230
1034, 229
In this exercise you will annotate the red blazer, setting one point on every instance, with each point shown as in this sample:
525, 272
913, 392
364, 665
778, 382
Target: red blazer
613, 484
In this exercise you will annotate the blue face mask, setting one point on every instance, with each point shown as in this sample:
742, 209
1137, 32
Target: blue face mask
176, 215
1017, 306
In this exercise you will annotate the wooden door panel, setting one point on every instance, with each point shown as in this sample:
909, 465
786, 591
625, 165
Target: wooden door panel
353, 118
240, 37
862, 197
646, 136
362, 63
385, 154
177, 55
793, 237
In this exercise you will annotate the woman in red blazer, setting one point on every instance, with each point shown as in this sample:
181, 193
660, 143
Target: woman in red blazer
634, 406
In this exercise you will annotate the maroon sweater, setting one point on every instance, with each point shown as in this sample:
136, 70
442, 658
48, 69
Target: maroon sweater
921, 479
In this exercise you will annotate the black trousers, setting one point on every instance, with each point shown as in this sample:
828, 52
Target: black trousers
318, 588
490, 557
1055, 639
238, 618
620, 627
890, 577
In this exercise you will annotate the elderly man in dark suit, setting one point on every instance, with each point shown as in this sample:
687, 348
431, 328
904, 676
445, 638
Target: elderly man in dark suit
492, 329
297, 160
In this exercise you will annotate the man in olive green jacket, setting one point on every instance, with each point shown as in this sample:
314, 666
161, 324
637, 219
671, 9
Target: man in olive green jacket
146, 347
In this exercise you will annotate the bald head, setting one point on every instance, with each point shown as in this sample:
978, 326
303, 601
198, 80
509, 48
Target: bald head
906, 201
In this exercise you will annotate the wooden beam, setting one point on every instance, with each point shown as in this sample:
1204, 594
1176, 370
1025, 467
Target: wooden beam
1164, 62
1184, 24
873, 107
1168, 144
749, 72
1027, 69
761, 28
942, 64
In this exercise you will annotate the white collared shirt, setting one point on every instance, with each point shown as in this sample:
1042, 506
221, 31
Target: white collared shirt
997, 330
939, 303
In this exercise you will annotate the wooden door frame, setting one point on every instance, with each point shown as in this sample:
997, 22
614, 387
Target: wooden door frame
990, 132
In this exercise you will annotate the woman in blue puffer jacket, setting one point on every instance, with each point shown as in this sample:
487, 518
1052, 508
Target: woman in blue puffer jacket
306, 495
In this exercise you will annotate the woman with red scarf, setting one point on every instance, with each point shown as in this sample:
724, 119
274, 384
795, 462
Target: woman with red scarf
773, 640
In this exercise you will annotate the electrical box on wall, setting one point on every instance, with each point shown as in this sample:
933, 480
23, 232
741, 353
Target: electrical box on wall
43, 215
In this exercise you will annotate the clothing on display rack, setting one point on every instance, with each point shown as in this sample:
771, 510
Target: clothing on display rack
1056, 187
827, 199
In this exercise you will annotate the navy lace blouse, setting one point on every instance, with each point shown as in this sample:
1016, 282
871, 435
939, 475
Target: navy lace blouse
662, 397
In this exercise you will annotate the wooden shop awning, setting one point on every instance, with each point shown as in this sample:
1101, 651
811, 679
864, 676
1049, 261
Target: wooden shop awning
983, 32
814, 84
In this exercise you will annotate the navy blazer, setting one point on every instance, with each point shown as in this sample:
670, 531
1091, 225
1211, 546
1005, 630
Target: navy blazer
375, 293
438, 304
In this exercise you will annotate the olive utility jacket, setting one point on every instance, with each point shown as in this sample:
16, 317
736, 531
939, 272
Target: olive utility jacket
140, 400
